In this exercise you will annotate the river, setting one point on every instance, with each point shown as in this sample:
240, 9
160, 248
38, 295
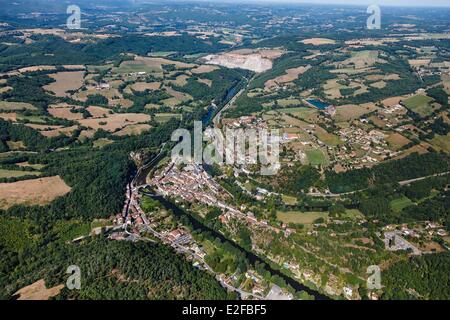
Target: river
197, 225
141, 178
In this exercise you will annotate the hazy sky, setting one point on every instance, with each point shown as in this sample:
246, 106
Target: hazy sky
364, 2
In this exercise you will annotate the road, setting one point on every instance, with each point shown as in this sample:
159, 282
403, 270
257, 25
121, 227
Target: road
217, 117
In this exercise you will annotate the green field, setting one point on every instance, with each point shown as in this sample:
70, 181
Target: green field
164, 117
300, 217
316, 157
420, 104
100, 143
353, 214
161, 53
400, 203
442, 142
14, 106
4, 173
289, 200
133, 66
92, 68
301, 112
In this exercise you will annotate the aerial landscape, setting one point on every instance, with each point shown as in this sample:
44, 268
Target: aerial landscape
320, 161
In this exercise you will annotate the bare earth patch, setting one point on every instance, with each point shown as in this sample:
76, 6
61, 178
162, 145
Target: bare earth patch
258, 60
318, 41
204, 69
142, 86
115, 121
36, 68
64, 112
32, 192
289, 76
11, 116
38, 291
65, 81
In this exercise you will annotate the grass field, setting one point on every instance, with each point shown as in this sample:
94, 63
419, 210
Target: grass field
15, 106
32, 192
420, 104
316, 157
396, 140
4, 173
300, 217
100, 143
288, 102
353, 111
442, 142
327, 138
289, 200
301, 112
353, 214
134, 66
164, 117
400, 203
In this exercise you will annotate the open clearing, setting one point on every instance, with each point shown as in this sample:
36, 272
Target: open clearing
204, 69
116, 121
38, 291
289, 76
420, 104
164, 117
65, 81
442, 142
300, 217
32, 192
291, 201
318, 41
353, 111
64, 112
316, 157
400, 203
301, 112
133, 129
258, 60
327, 138
397, 141
4, 173
15, 106
142, 86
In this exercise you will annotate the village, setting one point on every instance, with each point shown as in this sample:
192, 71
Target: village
136, 225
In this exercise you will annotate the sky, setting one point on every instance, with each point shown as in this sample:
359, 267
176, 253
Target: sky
408, 3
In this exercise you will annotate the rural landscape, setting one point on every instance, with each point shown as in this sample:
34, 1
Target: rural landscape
357, 209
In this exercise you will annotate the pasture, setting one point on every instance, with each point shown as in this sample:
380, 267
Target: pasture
39, 191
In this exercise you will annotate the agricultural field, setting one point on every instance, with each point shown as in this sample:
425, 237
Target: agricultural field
400, 203
32, 192
4, 173
64, 82
300, 217
16, 106
420, 104
316, 157
38, 291
351, 112
397, 141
